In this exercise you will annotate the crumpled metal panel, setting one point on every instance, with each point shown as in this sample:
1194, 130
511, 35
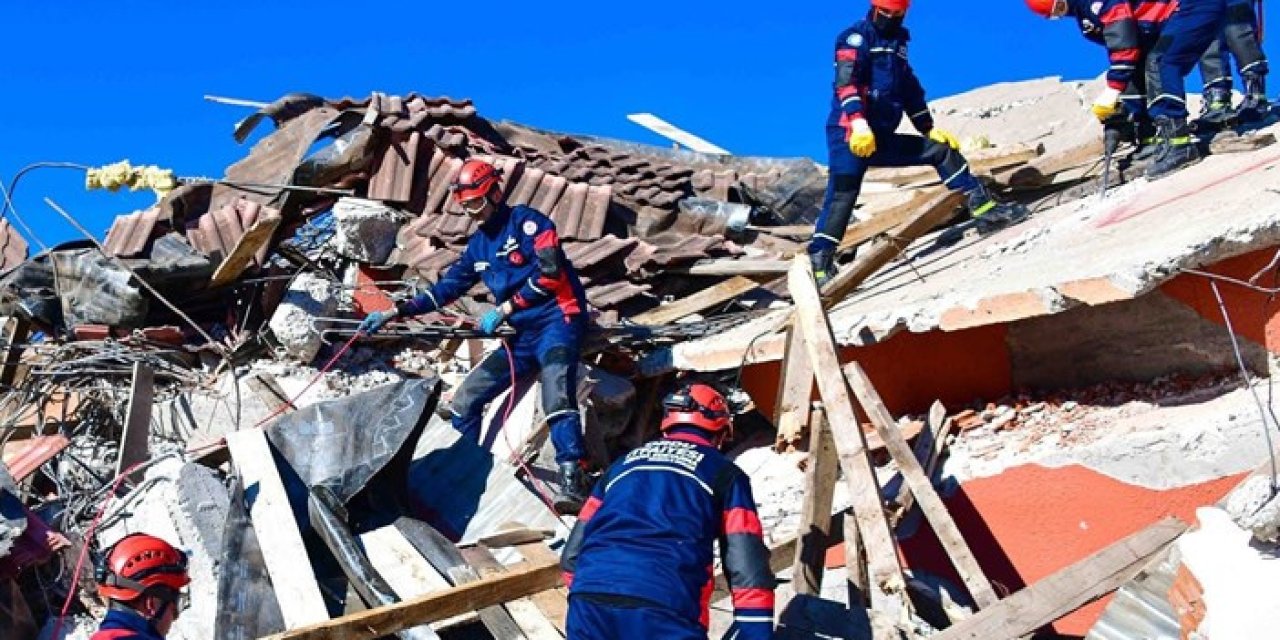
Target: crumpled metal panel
1141, 608
94, 290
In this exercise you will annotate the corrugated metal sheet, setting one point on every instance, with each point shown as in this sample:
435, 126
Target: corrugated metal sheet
1141, 608
274, 158
216, 233
130, 233
13, 247
23, 457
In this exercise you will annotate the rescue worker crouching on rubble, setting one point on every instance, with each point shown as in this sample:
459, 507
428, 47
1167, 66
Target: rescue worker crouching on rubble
141, 578
874, 87
516, 253
638, 563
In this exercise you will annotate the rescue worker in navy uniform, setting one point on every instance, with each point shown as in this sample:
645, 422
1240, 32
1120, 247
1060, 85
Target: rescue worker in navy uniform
638, 563
1128, 33
141, 578
874, 87
516, 253
1239, 40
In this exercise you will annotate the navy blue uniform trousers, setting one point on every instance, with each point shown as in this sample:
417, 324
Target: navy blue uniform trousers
590, 619
1193, 27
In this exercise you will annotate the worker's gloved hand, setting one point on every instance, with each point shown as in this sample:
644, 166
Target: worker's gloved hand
862, 142
942, 136
490, 321
1106, 104
374, 321
749, 631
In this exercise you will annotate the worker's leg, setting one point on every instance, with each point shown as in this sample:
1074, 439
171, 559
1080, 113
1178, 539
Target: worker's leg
843, 183
592, 619
1241, 37
485, 382
1190, 31
559, 350
1215, 74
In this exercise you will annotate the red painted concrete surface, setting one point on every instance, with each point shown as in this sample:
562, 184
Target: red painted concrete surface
1031, 521
1253, 313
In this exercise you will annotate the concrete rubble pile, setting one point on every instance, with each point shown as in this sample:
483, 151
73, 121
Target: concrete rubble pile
145, 370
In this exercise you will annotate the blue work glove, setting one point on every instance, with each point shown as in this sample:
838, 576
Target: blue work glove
749, 631
490, 321
374, 321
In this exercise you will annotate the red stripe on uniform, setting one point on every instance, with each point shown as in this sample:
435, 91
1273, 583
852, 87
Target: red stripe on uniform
753, 598
845, 92
742, 520
1155, 11
589, 509
567, 578
1117, 13
564, 296
846, 55
1124, 55
704, 615
546, 240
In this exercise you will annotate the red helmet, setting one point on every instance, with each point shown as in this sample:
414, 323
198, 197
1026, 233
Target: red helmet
476, 179
1043, 7
697, 405
892, 5
140, 565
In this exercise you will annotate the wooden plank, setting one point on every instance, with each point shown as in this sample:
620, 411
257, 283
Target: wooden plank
795, 390
270, 392
515, 537
528, 618
936, 210
13, 333
408, 573
1235, 143
382, 621
1068, 589
245, 251
1042, 170
855, 561
923, 451
273, 521
935, 511
134, 447
864, 489
705, 299
815, 515
733, 267
980, 161
553, 603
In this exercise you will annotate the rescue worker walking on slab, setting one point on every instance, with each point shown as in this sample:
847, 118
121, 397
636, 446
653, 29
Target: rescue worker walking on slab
639, 563
141, 578
516, 253
874, 87
1241, 40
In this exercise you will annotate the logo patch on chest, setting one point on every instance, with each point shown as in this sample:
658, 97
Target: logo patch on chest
854, 40
530, 227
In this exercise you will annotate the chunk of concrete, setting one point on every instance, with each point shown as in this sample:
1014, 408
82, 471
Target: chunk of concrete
309, 297
365, 230
1255, 506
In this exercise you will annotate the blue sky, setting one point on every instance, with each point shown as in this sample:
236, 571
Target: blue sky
96, 82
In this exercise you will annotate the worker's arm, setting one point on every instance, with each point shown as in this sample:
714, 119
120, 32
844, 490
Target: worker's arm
456, 281
913, 101
746, 564
573, 546
851, 72
1120, 32
550, 281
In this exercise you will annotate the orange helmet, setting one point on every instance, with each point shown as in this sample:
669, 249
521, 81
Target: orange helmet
892, 5
476, 179
140, 565
697, 405
1044, 8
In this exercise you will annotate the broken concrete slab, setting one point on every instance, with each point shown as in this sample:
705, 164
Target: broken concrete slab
309, 297
365, 230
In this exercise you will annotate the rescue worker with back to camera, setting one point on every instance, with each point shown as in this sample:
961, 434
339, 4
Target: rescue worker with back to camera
141, 578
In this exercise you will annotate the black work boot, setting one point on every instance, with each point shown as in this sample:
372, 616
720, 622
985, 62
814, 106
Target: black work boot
1176, 148
1144, 133
571, 493
992, 215
1255, 106
1216, 112
824, 266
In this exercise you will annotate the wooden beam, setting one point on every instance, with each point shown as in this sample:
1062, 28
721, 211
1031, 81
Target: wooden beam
923, 451
705, 299
922, 487
815, 515
1042, 170
529, 620
246, 251
282, 548
864, 489
934, 211
855, 560
980, 161
408, 573
134, 447
1069, 589
795, 391
733, 267
553, 603
382, 621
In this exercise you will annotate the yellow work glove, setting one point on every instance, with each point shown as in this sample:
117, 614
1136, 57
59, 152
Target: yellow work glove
1106, 104
942, 136
862, 142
